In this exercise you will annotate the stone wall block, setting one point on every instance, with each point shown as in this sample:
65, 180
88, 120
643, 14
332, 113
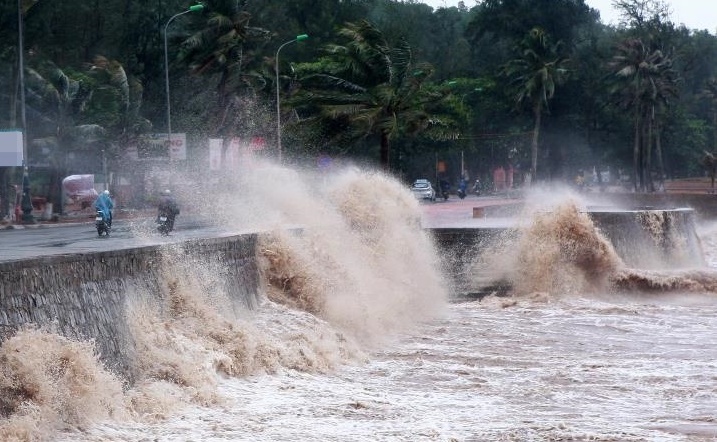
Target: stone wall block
85, 293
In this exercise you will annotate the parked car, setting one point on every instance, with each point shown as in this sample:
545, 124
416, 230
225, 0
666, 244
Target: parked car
423, 189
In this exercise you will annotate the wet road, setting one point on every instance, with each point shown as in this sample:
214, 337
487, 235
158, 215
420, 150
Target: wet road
493, 212
61, 239
81, 237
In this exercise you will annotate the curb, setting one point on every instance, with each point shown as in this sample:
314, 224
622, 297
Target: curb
77, 222
42, 225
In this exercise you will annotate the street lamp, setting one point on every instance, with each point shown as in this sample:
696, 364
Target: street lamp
26, 202
194, 8
278, 107
451, 84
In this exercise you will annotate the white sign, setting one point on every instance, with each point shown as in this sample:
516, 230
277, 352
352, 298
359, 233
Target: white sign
157, 146
215, 153
232, 157
236, 154
11, 152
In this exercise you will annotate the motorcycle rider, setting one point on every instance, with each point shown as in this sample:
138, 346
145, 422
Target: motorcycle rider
443, 187
462, 186
169, 207
105, 204
477, 187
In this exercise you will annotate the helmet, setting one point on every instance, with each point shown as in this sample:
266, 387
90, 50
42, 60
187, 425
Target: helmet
105, 192
167, 192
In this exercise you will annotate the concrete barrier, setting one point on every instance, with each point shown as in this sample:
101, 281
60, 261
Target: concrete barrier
84, 296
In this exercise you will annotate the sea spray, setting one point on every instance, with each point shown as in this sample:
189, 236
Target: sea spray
562, 252
48, 382
355, 254
556, 248
366, 265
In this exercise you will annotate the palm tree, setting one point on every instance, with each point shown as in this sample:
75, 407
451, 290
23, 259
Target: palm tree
660, 88
115, 105
218, 49
709, 160
55, 102
116, 100
709, 92
629, 65
536, 73
365, 87
647, 81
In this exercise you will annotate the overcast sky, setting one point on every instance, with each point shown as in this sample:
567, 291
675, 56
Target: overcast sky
695, 14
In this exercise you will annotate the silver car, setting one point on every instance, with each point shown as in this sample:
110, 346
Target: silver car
422, 189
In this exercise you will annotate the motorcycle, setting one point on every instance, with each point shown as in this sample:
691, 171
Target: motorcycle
164, 224
477, 188
444, 194
443, 188
102, 223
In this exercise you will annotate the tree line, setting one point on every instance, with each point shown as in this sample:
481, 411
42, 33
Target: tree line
539, 85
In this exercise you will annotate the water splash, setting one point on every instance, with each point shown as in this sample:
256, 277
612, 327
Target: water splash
345, 265
367, 266
558, 249
47, 381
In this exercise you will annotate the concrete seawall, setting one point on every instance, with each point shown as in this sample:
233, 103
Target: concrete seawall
85, 296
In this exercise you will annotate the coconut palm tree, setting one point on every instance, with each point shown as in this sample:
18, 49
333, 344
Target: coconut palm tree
646, 82
709, 160
223, 48
709, 92
661, 86
116, 100
55, 101
535, 74
367, 88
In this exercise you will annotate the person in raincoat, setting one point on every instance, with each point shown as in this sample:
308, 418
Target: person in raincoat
105, 204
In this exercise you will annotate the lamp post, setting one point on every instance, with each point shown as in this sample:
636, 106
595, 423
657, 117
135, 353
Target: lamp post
26, 202
278, 103
451, 84
194, 8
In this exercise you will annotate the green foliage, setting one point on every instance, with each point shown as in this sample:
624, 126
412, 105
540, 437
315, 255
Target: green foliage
367, 88
537, 71
510, 20
429, 82
534, 76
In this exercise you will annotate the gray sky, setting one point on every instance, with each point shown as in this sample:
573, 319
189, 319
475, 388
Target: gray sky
695, 14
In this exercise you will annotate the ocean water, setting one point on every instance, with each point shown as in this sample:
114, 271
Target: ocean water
359, 337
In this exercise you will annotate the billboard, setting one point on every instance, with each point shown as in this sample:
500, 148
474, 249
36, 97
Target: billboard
11, 152
157, 147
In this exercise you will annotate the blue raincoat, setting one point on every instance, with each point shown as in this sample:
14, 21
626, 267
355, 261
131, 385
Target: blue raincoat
104, 203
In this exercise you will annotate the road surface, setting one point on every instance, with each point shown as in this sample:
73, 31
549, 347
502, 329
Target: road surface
58, 239
72, 238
